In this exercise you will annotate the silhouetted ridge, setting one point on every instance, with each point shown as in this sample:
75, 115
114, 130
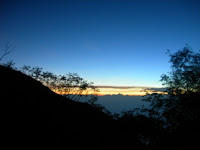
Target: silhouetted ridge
33, 114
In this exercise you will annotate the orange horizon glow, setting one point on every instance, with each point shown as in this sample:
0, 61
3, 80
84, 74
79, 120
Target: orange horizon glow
129, 91
116, 91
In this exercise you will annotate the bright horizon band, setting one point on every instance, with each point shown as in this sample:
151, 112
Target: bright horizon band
111, 90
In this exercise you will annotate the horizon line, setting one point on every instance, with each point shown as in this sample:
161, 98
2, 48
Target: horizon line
125, 87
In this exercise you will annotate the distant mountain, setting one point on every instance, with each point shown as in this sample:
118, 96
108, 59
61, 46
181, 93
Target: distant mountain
34, 116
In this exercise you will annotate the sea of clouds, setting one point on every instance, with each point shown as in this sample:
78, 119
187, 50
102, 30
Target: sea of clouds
119, 103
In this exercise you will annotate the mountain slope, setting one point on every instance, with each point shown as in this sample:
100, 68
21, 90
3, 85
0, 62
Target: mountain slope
32, 113
33, 116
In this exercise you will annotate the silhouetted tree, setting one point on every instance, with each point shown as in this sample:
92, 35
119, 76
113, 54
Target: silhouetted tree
70, 85
5, 52
181, 103
10, 64
173, 117
76, 88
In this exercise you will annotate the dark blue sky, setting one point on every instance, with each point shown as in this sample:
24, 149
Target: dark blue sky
118, 42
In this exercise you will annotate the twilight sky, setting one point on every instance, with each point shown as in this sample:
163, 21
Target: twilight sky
108, 42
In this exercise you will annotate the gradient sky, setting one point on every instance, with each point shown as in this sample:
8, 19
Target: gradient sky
108, 42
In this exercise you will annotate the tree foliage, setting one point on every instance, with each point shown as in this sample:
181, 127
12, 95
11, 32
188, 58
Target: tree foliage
69, 85
172, 119
185, 73
181, 103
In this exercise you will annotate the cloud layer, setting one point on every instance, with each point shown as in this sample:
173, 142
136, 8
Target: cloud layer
127, 90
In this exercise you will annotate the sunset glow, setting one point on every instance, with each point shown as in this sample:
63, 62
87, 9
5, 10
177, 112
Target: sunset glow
110, 90
131, 91
128, 91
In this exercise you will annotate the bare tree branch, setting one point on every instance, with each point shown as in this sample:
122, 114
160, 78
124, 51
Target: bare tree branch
6, 52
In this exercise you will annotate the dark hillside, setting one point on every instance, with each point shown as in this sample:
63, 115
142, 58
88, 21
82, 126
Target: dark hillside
33, 115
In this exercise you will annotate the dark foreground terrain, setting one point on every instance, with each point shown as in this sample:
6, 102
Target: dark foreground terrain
34, 116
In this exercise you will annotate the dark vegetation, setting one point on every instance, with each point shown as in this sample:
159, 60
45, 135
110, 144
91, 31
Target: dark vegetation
33, 115
69, 85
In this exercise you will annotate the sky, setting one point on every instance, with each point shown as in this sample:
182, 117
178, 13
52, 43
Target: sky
108, 42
